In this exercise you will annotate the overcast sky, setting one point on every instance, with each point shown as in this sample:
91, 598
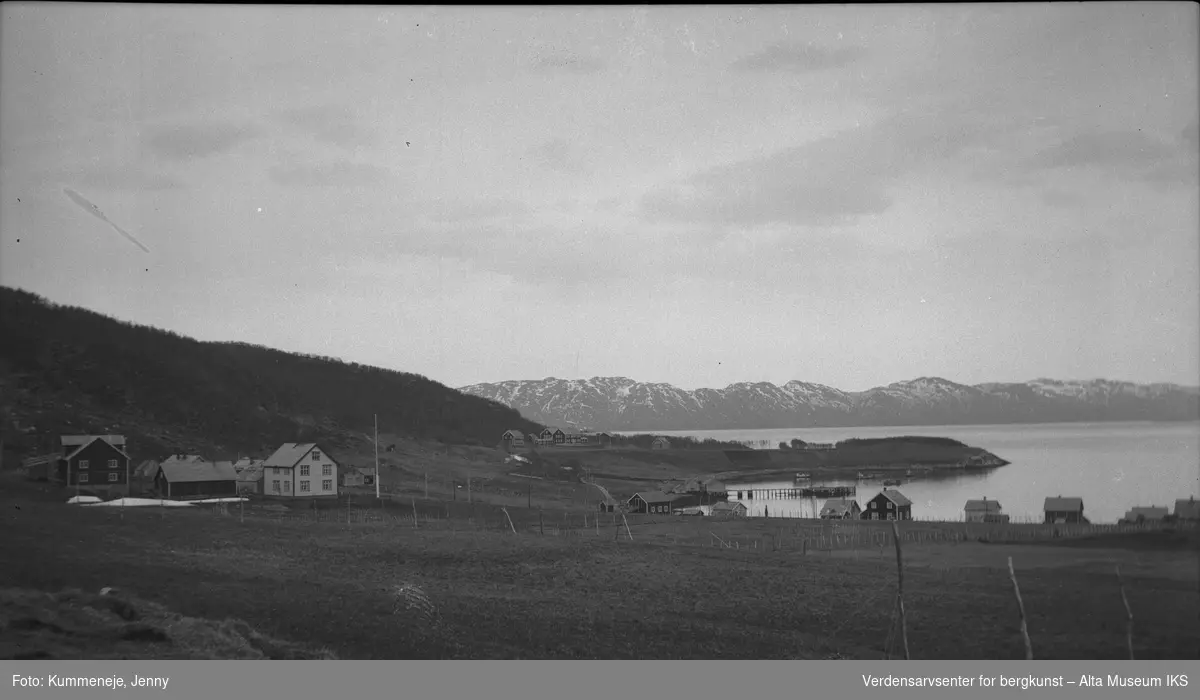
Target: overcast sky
850, 195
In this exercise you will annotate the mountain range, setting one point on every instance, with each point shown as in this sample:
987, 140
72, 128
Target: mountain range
620, 403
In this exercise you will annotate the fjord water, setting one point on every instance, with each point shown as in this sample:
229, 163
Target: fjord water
1112, 466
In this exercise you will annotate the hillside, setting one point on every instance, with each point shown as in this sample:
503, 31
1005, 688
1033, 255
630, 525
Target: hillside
619, 403
66, 369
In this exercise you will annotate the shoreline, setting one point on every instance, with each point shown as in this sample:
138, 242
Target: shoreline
851, 472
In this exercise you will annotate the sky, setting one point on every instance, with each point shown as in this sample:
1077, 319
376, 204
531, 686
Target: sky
850, 195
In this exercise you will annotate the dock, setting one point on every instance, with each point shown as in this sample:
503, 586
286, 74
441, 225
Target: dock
805, 492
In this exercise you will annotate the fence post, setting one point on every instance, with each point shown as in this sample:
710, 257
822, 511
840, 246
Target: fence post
1021, 609
900, 588
1128, 614
541, 524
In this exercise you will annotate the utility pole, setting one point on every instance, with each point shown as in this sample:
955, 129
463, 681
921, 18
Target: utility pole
377, 474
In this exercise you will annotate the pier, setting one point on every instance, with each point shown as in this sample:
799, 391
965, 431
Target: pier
807, 492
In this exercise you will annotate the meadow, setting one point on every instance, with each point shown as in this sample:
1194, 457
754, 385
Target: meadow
616, 587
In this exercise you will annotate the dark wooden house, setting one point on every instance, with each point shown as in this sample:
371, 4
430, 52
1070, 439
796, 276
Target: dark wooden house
560, 438
890, 504
652, 502
1061, 509
183, 480
96, 464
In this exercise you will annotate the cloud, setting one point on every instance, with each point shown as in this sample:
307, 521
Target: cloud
568, 61
1115, 149
477, 210
559, 155
1133, 154
829, 181
337, 173
1061, 199
800, 59
187, 141
119, 177
331, 124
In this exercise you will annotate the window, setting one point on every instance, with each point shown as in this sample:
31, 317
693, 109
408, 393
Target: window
327, 470
316, 455
304, 470
275, 486
112, 476
112, 464
874, 516
83, 478
287, 487
327, 485
83, 464
304, 486
891, 516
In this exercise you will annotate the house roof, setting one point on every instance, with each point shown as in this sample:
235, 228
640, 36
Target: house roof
1189, 508
655, 496
1059, 504
253, 473
728, 505
1147, 512
895, 497
839, 505
188, 471
102, 438
983, 504
246, 462
77, 440
288, 454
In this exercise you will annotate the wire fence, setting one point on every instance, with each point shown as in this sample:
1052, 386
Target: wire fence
755, 534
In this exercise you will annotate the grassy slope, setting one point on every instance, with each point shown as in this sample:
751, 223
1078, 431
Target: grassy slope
72, 624
500, 595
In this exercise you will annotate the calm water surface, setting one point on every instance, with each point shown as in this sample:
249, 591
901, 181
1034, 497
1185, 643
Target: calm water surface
1112, 466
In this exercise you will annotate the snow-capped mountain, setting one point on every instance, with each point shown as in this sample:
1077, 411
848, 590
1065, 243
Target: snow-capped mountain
620, 403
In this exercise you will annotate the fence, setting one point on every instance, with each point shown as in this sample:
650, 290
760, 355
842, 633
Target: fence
760, 534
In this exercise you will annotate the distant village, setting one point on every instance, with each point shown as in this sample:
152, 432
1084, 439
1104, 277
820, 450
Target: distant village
99, 466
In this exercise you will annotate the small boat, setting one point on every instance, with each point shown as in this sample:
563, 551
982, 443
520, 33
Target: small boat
891, 482
803, 475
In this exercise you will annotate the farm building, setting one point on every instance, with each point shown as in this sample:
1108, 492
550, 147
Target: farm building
652, 502
249, 479
1187, 510
185, 479
1145, 514
1064, 510
608, 505
729, 509
694, 510
301, 470
512, 438
984, 511
889, 504
41, 467
558, 436
841, 509
95, 463
351, 476
660, 443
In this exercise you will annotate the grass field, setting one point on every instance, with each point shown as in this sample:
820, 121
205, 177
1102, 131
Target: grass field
329, 579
